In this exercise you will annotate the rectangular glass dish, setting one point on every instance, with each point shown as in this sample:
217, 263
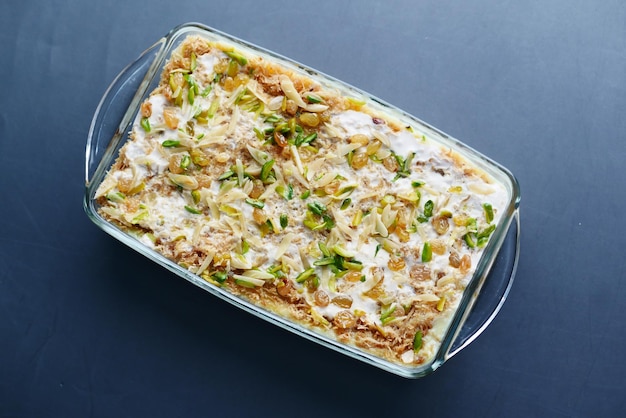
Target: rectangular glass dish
303, 200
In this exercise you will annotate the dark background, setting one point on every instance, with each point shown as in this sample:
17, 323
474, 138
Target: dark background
90, 328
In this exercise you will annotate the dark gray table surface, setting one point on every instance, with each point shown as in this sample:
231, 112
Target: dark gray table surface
90, 328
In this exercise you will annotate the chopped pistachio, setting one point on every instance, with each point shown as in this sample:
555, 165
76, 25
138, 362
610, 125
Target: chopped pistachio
469, 240
488, 212
317, 208
255, 202
427, 253
192, 210
305, 194
170, 143
338, 249
417, 341
185, 161
219, 276
266, 170
312, 98
145, 124
196, 196
324, 249
193, 63
238, 57
284, 221
117, 197
386, 314
300, 278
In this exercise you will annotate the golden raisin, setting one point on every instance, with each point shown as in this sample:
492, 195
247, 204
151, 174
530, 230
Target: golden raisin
402, 233
343, 301
257, 188
353, 276
454, 259
466, 264
331, 187
391, 164
438, 246
199, 157
146, 109
321, 298
280, 140
259, 216
373, 147
419, 272
169, 116
359, 160
291, 107
396, 263
345, 319
440, 224
358, 139
309, 119
284, 287
124, 184
175, 164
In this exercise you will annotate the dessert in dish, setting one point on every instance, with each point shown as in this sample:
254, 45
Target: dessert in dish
303, 200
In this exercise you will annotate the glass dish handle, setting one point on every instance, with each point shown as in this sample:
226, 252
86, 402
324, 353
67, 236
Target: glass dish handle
110, 118
493, 292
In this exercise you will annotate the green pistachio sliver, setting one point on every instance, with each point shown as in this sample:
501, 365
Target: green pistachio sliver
227, 174
255, 202
353, 265
300, 278
378, 247
207, 90
284, 221
139, 217
219, 276
185, 161
417, 183
272, 118
193, 65
346, 203
472, 225
309, 138
241, 60
469, 240
215, 104
385, 315
317, 208
170, 143
145, 124
324, 261
192, 210
488, 212
324, 249
428, 208
191, 96
266, 169
305, 194
117, 197
338, 249
196, 196
312, 98
427, 253
417, 341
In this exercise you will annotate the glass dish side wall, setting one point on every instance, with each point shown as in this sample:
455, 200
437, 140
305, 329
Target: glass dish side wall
116, 102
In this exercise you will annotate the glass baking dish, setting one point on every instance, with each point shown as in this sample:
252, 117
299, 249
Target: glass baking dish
482, 298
